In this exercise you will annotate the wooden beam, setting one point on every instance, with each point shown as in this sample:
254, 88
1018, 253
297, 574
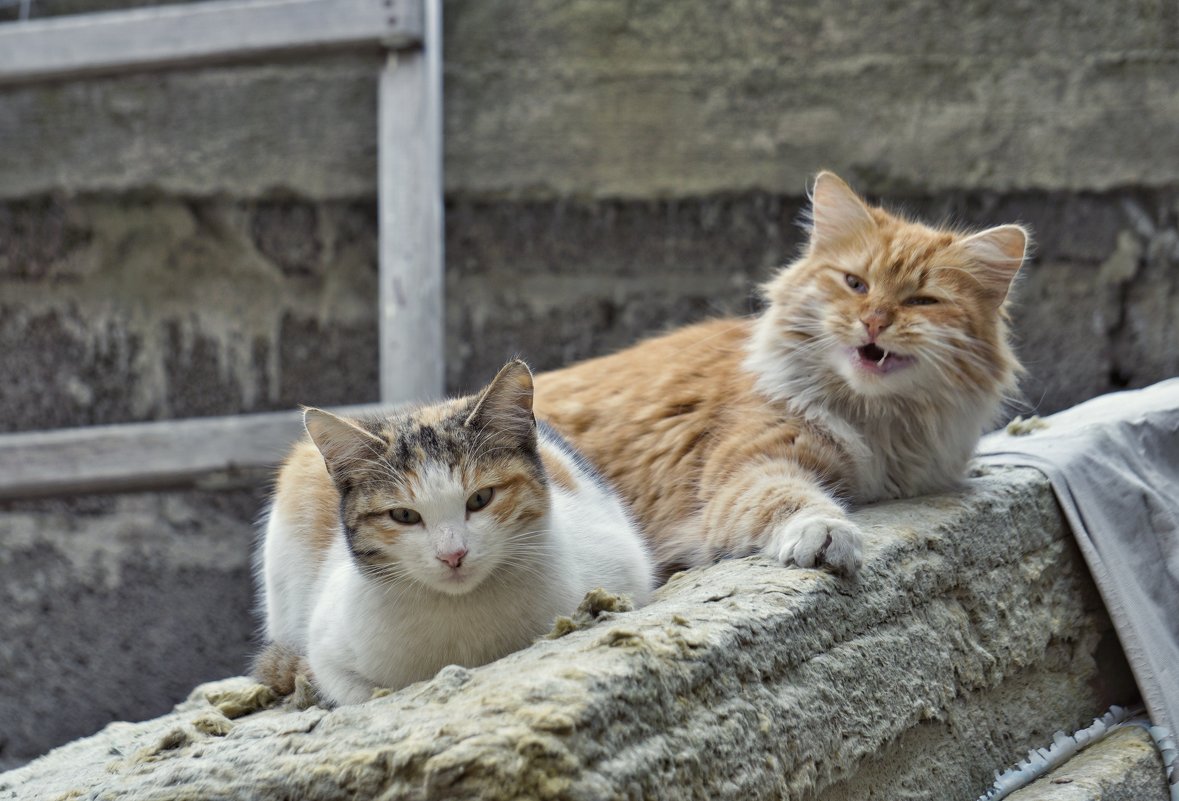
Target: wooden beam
199, 33
147, 456
412, 314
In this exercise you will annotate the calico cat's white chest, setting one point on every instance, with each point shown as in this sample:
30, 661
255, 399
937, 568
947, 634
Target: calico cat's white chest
364, 635
395, 650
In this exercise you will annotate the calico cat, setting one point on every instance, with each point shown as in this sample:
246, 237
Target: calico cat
452, 533
882, 356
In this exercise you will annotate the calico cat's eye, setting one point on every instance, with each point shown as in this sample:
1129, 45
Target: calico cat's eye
855, 283
480, 499
920, 300
406, 517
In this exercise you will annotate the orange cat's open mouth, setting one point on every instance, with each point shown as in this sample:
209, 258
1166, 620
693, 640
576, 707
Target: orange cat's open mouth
875, 359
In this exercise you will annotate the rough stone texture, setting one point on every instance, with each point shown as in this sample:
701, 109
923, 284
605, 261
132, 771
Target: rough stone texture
1123, 767
273, 130
114, 606
671, 99
558, 282
203, 241
605, 98
119, 309
1097, 308
115, 309
973, 633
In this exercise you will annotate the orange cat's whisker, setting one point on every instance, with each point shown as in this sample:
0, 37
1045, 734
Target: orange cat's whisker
708, 427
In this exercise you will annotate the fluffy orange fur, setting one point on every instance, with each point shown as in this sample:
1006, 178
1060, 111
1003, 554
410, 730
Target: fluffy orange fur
881, 357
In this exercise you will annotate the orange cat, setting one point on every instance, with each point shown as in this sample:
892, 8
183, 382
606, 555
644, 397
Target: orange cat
881, 358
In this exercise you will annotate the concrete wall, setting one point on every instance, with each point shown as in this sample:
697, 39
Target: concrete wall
114, 606
203, 242
115, 309
129, 308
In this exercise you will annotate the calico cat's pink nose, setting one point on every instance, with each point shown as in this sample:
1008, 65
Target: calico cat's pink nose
454, 558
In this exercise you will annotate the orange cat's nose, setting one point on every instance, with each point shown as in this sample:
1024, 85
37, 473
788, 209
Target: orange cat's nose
876, 321
454, 558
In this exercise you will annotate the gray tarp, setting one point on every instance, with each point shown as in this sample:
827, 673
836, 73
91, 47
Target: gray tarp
1114, 465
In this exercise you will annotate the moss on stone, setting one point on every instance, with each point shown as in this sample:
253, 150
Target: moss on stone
595, 606
235, 702
213, 724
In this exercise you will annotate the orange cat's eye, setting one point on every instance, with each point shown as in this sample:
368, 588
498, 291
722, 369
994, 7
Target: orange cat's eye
920, 300
855, 283
480, 499
406, 517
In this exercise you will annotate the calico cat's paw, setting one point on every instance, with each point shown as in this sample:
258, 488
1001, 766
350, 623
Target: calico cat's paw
818, 540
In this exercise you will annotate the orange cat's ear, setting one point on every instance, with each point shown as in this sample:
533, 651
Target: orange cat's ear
997, 254
341, 442
837, 213
507, 400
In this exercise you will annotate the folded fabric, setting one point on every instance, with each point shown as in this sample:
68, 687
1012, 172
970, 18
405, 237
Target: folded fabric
1114, 466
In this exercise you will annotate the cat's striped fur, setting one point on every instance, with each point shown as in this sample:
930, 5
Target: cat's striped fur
881, 357
449, 534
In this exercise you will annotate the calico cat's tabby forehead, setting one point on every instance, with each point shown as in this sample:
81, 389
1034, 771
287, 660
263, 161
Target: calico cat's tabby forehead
494, 425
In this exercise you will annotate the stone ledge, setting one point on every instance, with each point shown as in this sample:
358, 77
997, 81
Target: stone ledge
973, 633
1125, 766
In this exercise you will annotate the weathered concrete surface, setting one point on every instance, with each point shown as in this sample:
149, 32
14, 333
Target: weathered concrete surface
114, 606
1097, 308
272, 130
115, 309
1123, 767
122, 309
671, 99
605, 98
63, 7
203, 241
972, 634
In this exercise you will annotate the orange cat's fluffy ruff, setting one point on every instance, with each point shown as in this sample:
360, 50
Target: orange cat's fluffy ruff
675, 414
881, 357
678, 414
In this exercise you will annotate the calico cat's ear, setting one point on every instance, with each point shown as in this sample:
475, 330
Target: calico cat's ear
997, 254
837, 213
342, 443
506, 402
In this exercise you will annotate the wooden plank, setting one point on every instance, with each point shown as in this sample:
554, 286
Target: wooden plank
147, 456
198, 33
412, 315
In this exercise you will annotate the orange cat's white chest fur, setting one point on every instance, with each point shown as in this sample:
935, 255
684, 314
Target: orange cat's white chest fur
895, 449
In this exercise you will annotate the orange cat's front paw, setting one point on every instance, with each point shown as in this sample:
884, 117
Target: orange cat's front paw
817, 540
